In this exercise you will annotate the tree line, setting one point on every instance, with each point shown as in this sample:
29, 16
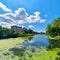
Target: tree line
53, 29
9, 33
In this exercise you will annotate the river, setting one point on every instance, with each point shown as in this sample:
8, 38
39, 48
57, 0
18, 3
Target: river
40, 40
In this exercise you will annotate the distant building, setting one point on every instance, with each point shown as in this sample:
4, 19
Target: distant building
22, 30
19, 29
42, 32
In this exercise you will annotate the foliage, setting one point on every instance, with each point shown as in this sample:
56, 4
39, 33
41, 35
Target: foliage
8, 33
54, 28
53, 32
40, 54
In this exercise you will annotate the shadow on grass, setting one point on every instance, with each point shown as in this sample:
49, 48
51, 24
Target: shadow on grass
18, 51
57, 58
54, 44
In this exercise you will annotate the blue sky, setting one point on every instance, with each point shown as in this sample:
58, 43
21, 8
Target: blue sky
36, 14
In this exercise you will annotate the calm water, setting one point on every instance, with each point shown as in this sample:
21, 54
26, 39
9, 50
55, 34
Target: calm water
40, 40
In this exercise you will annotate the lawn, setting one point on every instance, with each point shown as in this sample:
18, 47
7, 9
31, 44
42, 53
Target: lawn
11, 42
6, 44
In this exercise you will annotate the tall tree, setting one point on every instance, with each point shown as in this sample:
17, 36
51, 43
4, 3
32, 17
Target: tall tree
54, 28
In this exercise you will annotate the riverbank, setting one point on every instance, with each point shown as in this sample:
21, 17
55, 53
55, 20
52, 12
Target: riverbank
54, 47
54, 38
24, 54
11, 42
54, 42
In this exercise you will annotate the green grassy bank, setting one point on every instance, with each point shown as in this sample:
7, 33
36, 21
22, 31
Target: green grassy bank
30, 54
54, 38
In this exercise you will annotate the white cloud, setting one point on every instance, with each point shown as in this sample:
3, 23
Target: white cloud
22, 26
33, 18
4, 8
19, 16
42, 21
20, 22
31, 26
6, 25
37, 13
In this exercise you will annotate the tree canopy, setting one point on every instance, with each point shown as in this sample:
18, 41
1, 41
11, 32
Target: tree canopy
54, 28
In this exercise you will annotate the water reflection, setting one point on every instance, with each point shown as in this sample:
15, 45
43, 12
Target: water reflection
40, 40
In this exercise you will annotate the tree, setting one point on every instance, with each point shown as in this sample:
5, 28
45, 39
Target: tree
30, 31
54, 28
7, 33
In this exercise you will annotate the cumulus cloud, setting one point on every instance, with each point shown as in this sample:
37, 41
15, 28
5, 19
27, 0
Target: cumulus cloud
33, 18
6, 25
4, 8
31, 26
19, 16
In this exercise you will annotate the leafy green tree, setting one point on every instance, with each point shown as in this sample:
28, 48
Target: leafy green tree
54, 28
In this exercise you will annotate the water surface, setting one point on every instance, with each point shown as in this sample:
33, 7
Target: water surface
39, 40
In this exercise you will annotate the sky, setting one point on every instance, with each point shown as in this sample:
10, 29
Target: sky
33, 14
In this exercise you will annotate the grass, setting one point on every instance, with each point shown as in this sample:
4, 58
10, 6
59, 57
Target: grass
54, 38
30, 54
6, 44
55, 51
9, 43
